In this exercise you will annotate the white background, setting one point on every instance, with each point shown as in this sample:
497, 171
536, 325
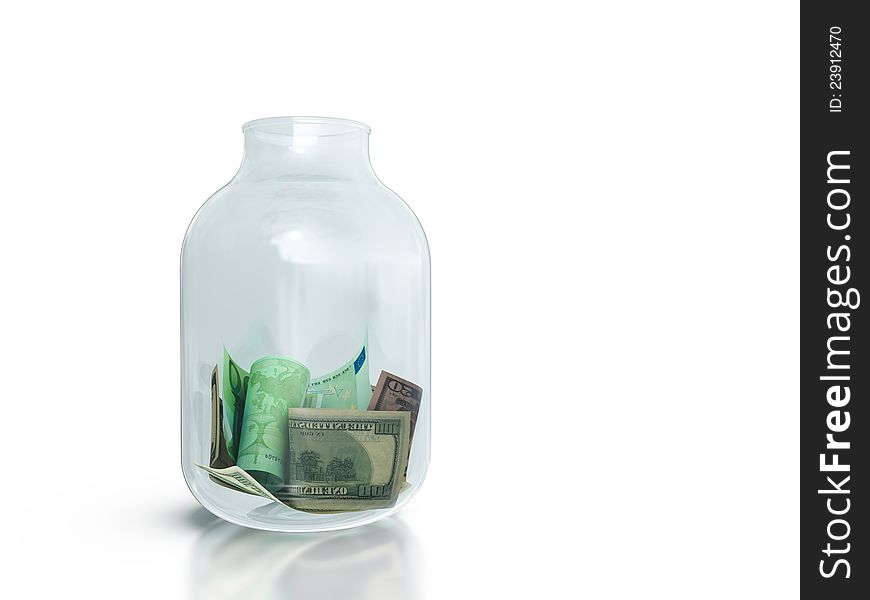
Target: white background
610, 195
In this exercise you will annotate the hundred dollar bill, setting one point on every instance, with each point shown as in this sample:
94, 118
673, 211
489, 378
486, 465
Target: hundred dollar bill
235, 387
276, 385
346, 387
237, 478
344, 460
219, 455
394, 393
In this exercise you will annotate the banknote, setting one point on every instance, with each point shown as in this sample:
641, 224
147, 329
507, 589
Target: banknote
219, 456
346, 387
238, 479
275, 385
344, 460
235, 387
394, 393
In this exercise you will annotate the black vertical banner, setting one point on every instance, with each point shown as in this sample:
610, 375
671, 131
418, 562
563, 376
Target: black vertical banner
835, 375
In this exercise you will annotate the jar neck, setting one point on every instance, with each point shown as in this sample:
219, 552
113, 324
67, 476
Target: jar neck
305, 149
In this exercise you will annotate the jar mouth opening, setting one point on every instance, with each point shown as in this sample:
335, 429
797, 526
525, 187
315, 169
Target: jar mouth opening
306, 126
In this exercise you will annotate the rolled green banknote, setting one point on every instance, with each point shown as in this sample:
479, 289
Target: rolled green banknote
344, 460
275, 386
347, 387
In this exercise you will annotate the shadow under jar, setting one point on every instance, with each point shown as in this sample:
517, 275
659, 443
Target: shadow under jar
305, 336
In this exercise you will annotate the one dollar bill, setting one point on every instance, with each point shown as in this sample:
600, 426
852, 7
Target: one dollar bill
344, 460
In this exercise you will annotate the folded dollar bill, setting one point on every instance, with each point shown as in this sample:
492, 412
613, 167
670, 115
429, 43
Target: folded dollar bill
394, 393
238, 479
341, 460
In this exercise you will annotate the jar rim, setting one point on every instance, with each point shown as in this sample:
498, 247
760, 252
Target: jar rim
330, 126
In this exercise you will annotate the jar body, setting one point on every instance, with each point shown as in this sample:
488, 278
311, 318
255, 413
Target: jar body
314, 263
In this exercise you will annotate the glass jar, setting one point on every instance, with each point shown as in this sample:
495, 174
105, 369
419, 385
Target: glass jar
305, 336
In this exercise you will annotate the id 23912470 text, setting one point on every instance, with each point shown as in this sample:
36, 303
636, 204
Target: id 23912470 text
835, 77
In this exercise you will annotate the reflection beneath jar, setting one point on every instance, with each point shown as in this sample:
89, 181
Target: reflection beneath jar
375, 562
